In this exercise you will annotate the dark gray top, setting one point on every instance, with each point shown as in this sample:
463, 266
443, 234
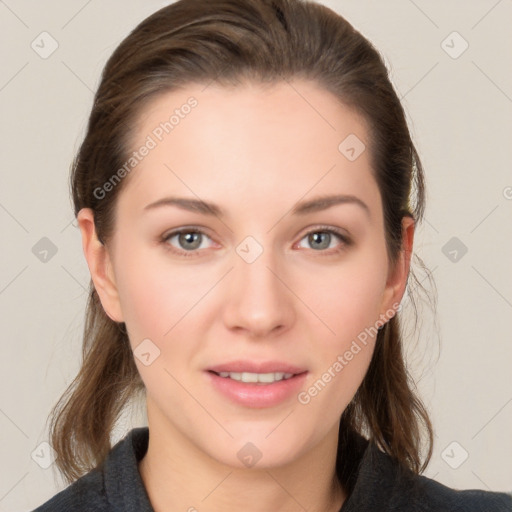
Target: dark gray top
379, 485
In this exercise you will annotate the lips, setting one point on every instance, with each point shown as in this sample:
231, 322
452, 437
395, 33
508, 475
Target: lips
240, 366
257, 395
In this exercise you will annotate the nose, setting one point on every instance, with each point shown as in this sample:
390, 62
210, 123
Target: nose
259, 298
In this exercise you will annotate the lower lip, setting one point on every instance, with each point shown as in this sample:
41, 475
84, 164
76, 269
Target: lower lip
250, 394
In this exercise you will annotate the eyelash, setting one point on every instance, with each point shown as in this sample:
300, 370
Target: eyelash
346, 241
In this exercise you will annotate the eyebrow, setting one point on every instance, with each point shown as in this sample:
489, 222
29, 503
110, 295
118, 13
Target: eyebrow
303, 208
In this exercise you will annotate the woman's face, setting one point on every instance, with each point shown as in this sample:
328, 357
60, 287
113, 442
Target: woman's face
265, 285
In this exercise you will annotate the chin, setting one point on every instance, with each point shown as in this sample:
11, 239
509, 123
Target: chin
258, 450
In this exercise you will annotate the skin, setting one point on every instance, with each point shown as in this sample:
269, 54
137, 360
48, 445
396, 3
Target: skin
255, 151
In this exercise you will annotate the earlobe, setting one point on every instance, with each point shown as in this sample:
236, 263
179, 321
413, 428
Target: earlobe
397, 279
100, 267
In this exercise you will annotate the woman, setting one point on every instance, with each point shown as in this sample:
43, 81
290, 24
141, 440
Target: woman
247, 193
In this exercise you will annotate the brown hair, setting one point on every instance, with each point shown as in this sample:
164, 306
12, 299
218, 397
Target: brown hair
229, 42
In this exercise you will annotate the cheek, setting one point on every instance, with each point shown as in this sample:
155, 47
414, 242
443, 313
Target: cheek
155, 296
350, 306
348, 298
159, 302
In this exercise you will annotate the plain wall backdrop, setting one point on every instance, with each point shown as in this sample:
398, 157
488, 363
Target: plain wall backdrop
450, 62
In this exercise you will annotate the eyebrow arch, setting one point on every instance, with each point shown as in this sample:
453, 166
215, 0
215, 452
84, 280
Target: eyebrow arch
302, 208
324, 202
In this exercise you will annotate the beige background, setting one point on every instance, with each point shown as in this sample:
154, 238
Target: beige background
460, 111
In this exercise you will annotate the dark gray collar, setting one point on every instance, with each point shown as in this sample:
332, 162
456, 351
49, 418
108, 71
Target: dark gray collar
123, 483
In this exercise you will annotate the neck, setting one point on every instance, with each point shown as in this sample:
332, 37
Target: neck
177, 475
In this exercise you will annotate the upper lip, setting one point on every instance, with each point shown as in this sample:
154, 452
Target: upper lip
240, 366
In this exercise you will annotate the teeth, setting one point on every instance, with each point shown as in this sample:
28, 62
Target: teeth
265, 378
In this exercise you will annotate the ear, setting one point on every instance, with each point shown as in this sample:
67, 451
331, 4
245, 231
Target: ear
100, 267
397, 276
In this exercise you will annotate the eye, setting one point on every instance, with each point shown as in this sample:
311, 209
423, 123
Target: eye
188, 240
321, 238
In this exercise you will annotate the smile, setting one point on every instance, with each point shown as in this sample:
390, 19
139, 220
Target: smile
260, 378
257, 390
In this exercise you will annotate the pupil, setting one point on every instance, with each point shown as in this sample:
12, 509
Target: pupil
316, 237
188, 238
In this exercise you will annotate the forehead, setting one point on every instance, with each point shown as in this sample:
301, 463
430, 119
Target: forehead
253, 143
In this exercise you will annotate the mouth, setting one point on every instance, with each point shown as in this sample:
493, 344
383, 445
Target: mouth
256, 378
257, 385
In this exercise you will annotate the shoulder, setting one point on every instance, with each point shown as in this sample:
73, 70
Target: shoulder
429, 495
383, 484
423, 494
115, 484
85, 494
